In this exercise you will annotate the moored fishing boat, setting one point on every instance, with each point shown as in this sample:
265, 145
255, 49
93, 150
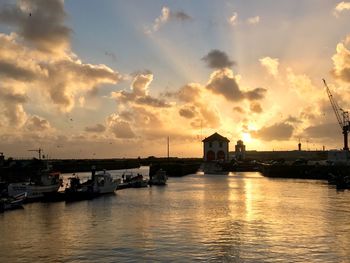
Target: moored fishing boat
99, 184
159, 178
47, 181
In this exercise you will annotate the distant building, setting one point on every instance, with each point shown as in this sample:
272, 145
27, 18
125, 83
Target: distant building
215, 147
286, 155
240, 150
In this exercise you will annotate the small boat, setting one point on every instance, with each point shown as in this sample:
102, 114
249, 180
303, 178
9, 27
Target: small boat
11, 203
159, 178
132, 181
103, 182
49, 182
77, 191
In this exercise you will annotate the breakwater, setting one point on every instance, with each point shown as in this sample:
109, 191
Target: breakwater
22, 170
174, 167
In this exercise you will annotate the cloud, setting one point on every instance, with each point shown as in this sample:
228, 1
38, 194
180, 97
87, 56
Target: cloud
255, 94
68, 77
38, 55
277, 131
151, 101
210, 116
140, 84
222, 82
340, 7
238, 109
180, 15
121, 129
190, 92
14, 71
40, 22
164, 17
188, 112
233, 19
37, 124
253, 20
325, 130
98, 128
6, 95
217, 59
255, 107
139, 92
293, 120
12, 106
341, 62
271, 65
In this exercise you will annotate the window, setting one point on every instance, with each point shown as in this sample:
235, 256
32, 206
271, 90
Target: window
210, 144
220, 144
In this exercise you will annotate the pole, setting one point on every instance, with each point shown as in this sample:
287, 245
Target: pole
168, 147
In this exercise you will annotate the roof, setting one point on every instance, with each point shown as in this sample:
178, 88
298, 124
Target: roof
216, 137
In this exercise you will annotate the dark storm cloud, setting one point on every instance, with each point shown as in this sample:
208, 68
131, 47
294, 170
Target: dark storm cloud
40, 22
277, 131
217, 59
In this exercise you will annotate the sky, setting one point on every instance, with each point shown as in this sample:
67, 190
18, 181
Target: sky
114, 79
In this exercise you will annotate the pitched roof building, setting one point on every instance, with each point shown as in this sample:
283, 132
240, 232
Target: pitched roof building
215, 147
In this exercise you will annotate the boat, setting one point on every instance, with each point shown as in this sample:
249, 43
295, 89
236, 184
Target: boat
77, 191
103, 182
159, 178
12, 202
99, 184
46, 181
132, 181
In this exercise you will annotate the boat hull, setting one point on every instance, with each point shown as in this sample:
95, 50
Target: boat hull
33, 191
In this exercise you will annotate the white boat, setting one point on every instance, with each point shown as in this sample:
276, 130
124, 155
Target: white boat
104, 183
49, 182
159, 178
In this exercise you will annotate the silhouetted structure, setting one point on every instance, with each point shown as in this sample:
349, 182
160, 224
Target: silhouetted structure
240, 150
215, 147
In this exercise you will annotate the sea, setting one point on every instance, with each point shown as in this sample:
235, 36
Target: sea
235, 217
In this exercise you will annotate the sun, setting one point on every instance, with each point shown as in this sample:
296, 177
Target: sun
246, 137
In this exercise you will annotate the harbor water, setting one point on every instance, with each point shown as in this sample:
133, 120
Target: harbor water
240, 217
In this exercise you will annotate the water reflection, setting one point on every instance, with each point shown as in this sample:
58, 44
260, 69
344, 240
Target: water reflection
240, 217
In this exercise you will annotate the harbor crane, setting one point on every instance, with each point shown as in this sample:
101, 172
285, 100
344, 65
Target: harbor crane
342, 117
38, 151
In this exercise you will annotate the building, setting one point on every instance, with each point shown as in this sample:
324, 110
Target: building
215, 148
240, 150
